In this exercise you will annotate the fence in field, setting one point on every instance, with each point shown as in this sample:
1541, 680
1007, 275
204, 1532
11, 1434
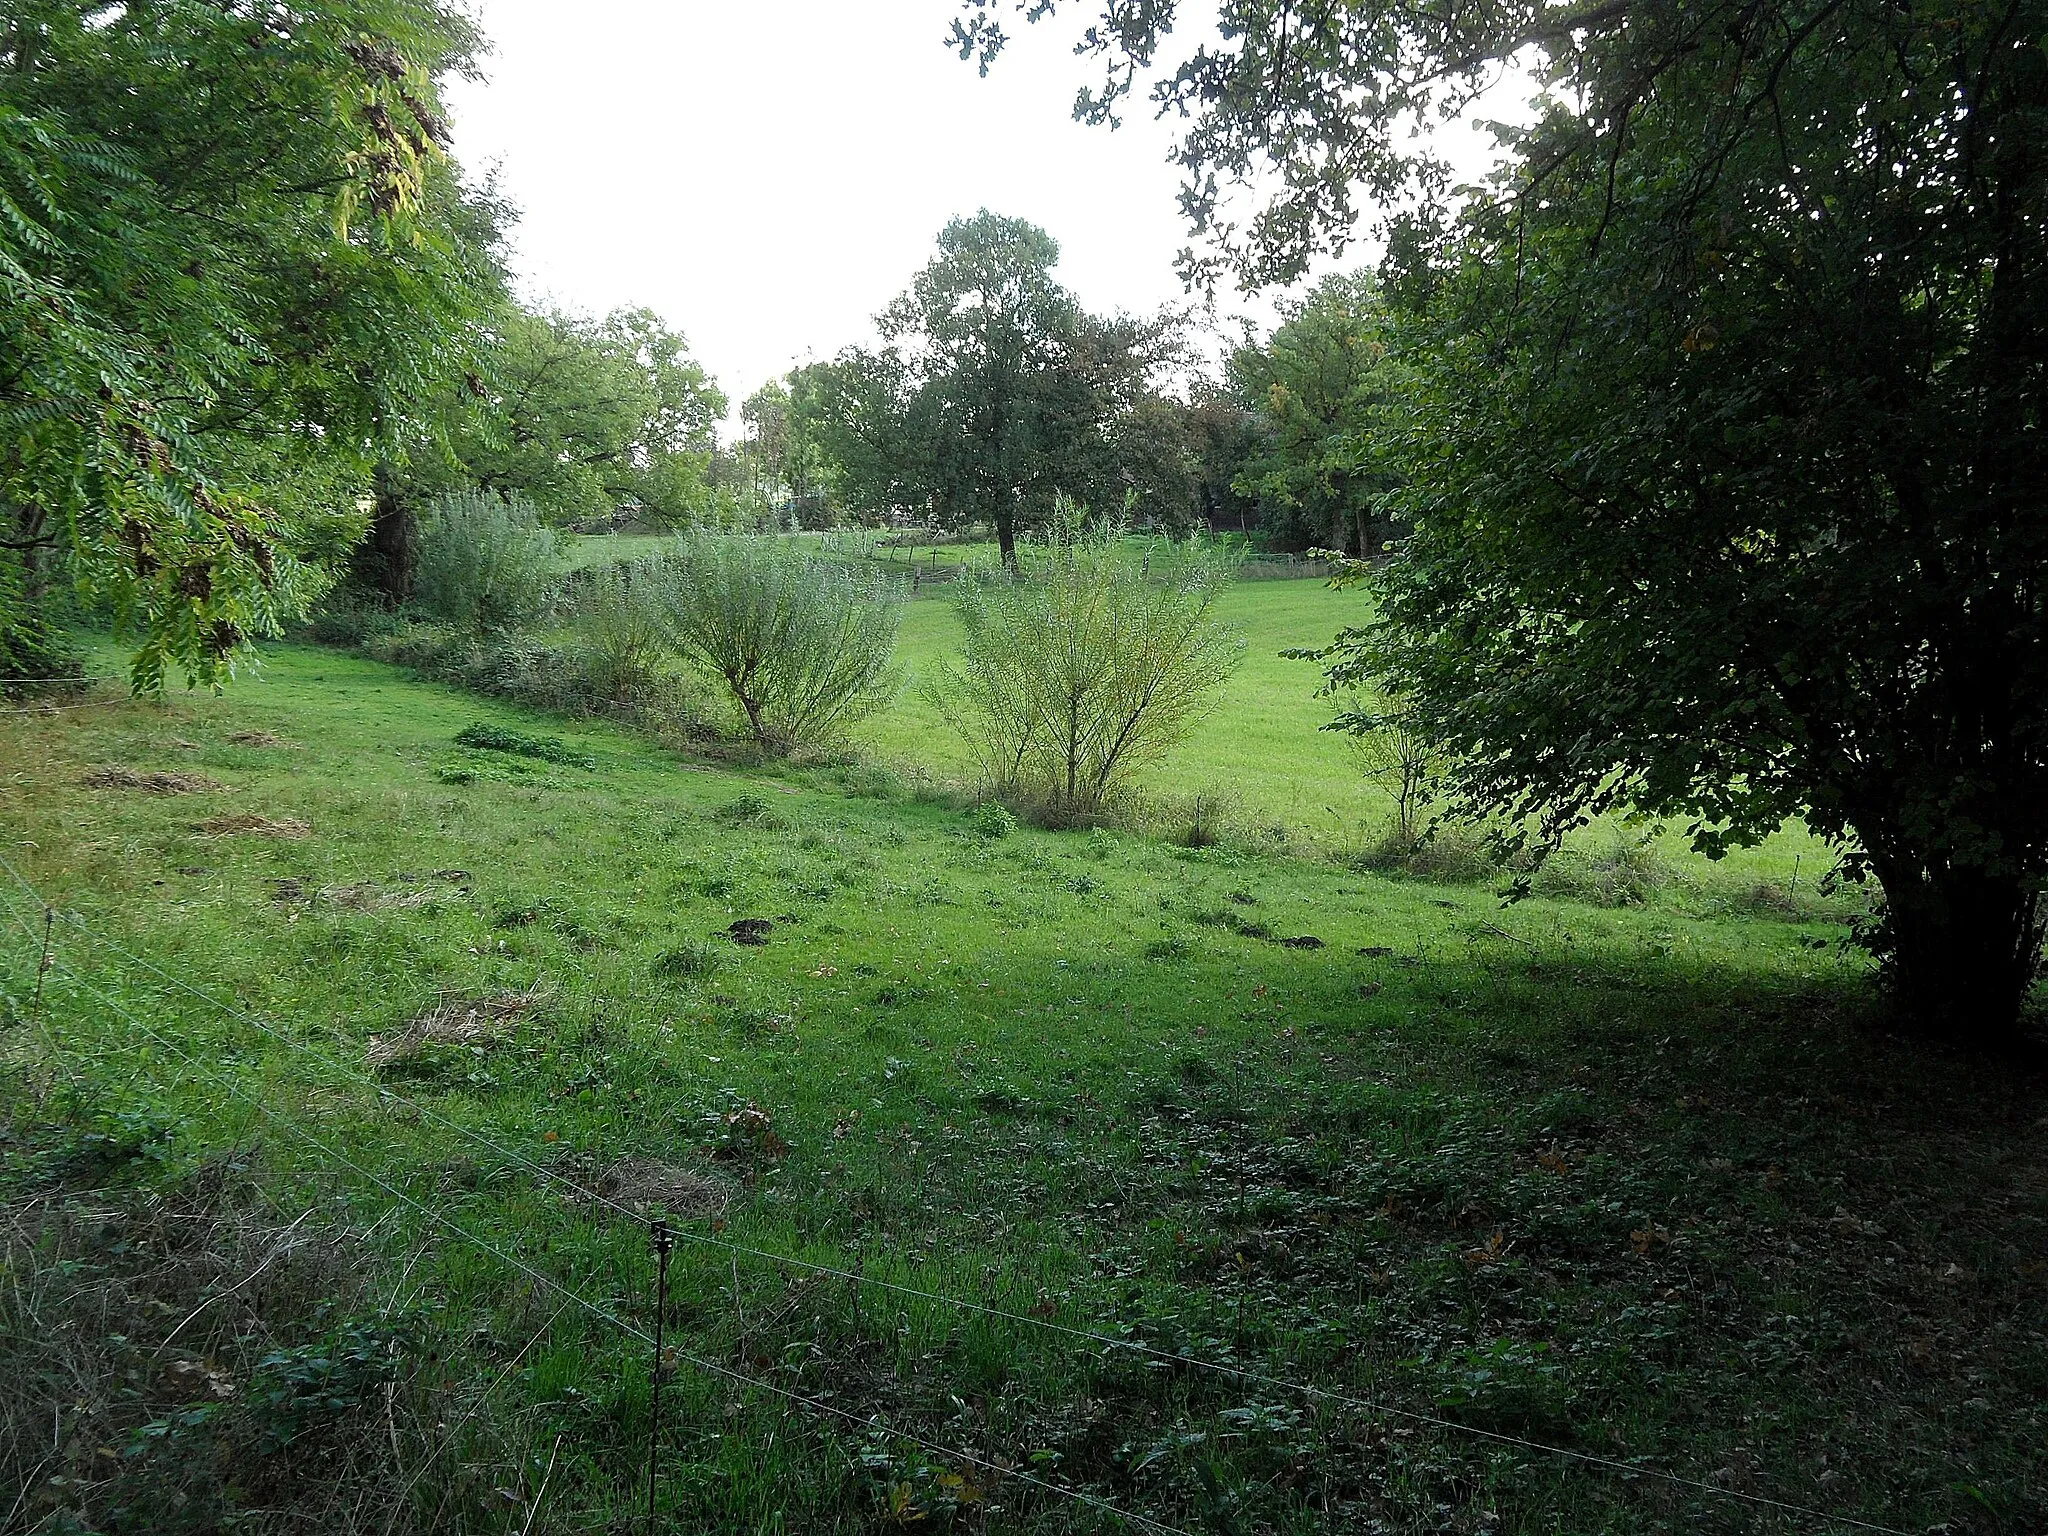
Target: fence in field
61, 933
54, 696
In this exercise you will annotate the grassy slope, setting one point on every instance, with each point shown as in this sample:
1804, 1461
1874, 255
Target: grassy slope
1630, 1181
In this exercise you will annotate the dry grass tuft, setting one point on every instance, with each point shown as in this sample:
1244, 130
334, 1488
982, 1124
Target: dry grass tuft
645, 1185
251, 825
454, 1021
156, 783
156, 1350
368, 896
258, 739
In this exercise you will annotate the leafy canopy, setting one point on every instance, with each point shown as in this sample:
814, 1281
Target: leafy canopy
232, 269
995, 393
1725, 446
1324, 386
582, 418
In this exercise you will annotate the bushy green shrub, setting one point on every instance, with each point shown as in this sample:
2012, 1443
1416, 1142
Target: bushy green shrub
618, 635
536, 674
1088, 663
486, 564
800, 644
34, 654
991, 820
1452, 853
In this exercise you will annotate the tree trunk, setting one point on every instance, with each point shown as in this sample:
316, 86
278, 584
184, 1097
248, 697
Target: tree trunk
1964, 946
1006, 531
388, 559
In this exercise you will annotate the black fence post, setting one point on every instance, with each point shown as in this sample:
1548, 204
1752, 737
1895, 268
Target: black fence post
664, 1244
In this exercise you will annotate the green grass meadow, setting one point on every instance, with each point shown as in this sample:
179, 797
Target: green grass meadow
1261, 749
1429, 1179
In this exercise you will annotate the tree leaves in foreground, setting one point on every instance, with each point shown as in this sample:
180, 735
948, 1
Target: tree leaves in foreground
1726, 451
230, 270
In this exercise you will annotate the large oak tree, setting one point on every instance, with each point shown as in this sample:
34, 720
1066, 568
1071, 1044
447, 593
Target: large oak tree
1726, 458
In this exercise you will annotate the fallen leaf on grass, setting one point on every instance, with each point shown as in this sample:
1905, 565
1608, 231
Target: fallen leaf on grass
1492, 1253
749, 1131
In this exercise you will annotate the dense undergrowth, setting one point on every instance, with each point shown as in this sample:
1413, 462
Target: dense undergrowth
1637, 1180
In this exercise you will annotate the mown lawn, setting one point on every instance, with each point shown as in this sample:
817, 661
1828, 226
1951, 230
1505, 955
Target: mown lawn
1644, 1184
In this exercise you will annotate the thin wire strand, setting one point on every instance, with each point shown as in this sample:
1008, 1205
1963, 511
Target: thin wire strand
710, 1367
58, 709
1241, 1373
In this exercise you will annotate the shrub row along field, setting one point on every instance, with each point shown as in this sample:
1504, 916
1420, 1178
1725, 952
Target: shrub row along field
1258, 759
1634, 1182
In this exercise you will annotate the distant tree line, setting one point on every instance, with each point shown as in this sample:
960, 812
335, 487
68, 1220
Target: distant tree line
993, 394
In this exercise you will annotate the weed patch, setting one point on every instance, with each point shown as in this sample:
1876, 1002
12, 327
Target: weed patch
547, 749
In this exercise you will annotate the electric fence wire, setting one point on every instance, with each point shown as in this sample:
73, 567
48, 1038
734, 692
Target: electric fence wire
68, 682
1240, 1373
58, 709
570, 1296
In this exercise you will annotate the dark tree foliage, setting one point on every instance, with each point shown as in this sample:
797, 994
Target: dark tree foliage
1322, 387
1222, 435
1726, 457
231, 270
995, 393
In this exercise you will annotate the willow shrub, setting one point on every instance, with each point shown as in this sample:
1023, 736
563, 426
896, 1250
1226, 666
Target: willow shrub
800, 643
617, 631
1089, 662
486, 564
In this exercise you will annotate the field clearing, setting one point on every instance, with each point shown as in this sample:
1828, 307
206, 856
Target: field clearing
1637, 1182
1261, 750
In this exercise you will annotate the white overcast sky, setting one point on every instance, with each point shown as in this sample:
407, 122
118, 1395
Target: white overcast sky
767, 175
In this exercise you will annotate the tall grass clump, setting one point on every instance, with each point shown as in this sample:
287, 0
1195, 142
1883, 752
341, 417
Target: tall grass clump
1086, 664
487, 564
799, 643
